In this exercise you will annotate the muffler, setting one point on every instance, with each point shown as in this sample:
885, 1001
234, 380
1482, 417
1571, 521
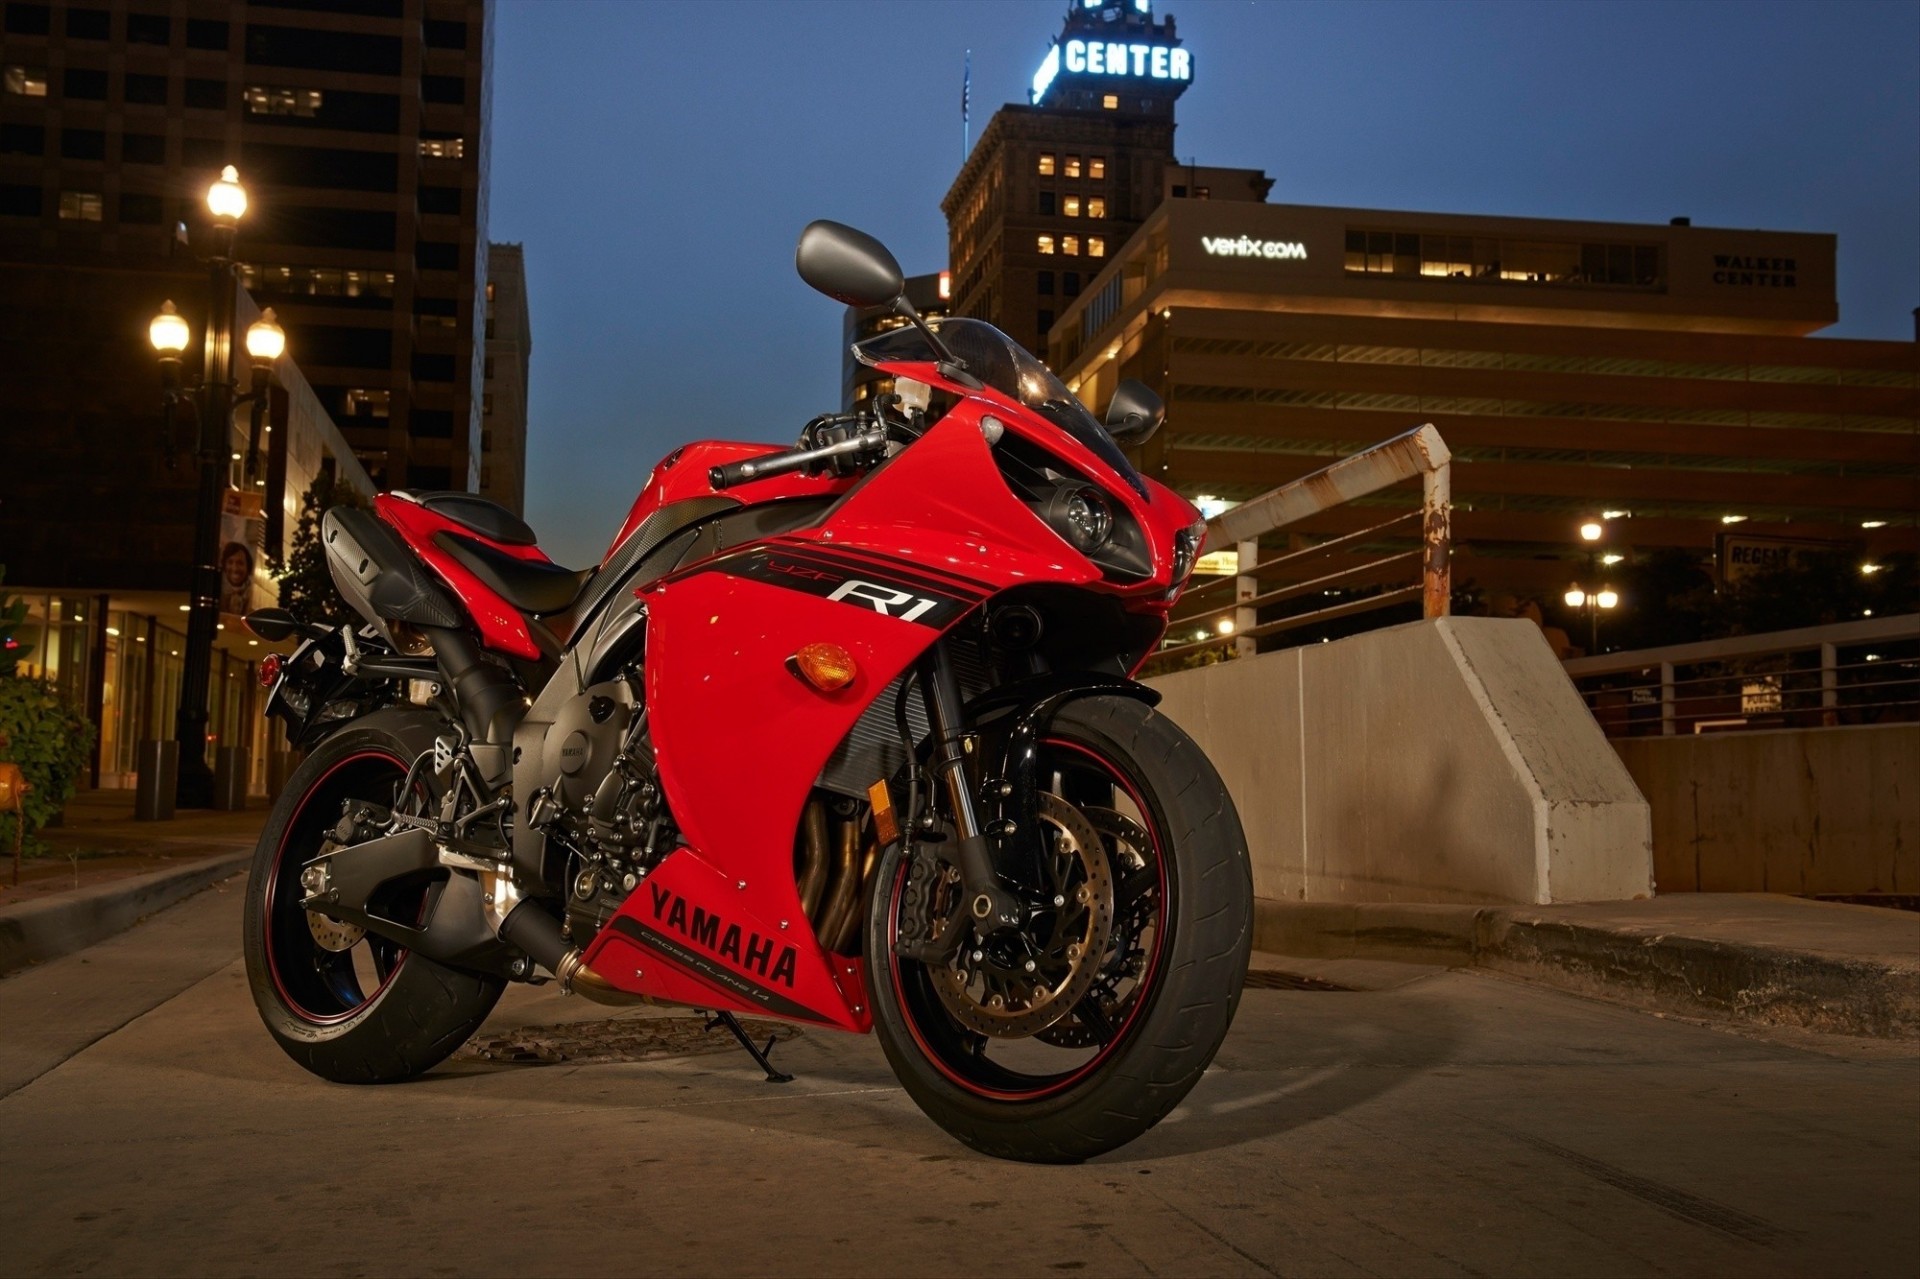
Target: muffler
538, 934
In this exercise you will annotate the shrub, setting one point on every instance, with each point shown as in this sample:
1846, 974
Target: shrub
50, 739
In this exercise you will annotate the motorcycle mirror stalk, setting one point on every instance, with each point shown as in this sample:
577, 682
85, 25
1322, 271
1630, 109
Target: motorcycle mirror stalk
852, 267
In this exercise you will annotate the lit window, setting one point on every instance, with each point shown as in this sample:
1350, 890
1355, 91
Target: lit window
1097, 206
79, 206
1073, 166
1096, 247
443, 148
1071, 206
362, 403
1096, 168
1111, 102
1070, 245
263, 100
28, 84
1045, 166
1045, 243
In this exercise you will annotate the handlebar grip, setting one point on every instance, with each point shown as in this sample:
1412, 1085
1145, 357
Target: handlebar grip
725, 477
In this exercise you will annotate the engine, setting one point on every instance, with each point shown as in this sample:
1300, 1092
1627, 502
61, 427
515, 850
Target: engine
602, 810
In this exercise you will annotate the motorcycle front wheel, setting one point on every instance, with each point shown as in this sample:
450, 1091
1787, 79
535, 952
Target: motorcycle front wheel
1080, 1033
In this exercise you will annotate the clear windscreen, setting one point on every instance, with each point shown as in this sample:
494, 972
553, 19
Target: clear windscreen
1009, 368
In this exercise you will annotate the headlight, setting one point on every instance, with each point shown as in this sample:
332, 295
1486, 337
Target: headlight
1082, 516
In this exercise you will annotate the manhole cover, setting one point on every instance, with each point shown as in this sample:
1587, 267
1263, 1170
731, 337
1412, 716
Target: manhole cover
1274, 979
618, 1039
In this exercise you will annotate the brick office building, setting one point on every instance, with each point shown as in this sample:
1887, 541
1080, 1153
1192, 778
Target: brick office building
360, 128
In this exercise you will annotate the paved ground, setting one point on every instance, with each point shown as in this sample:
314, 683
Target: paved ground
98, 841
1438, 1123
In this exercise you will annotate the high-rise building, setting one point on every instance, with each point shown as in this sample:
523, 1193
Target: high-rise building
1661, 381
503, 412
360, 128
931, 296
1056, 185
1663, 375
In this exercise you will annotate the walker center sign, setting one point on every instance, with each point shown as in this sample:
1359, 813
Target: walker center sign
1115, 59
1745, 271
1248, 247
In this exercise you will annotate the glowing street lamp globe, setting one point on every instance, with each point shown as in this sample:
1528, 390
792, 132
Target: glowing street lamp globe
266, 340
1592, 531
1575, 597
1607, 598
168, 332
226, 198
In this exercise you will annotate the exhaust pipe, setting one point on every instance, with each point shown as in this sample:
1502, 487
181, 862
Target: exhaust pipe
538, 933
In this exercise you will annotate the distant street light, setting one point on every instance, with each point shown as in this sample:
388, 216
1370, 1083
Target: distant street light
213, 402
1592, 531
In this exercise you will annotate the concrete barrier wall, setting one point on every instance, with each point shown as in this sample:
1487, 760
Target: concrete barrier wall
1441, 761
1807, 810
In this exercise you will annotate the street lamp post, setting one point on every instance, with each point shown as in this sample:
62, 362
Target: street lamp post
213, 401
1592, 601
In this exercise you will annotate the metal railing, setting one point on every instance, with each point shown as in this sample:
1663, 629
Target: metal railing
1862, 672
1233, 625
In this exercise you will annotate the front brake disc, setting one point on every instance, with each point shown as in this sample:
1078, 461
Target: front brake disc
1021, 984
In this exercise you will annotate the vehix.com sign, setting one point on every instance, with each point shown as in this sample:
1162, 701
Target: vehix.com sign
1247, 247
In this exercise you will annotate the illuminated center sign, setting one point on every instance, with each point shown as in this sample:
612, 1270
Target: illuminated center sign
1248, 247
1116, 58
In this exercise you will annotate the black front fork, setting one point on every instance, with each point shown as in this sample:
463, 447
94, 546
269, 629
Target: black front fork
988, 902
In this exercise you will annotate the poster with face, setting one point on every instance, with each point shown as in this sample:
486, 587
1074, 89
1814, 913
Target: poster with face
242, 538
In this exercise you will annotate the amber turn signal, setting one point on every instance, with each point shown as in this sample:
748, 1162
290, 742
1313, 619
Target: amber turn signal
827, 667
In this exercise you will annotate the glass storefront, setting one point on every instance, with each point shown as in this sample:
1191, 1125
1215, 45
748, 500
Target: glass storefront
137, 667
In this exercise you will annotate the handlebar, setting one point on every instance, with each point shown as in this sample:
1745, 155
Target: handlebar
759, 468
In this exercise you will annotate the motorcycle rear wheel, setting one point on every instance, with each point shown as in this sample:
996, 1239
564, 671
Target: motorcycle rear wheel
1170, 977
373, 1012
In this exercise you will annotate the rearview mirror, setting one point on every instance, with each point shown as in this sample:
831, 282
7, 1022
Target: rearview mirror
847, 265
272, 624
1134, 413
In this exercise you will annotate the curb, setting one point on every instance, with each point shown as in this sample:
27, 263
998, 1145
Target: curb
1691, 976
32, 932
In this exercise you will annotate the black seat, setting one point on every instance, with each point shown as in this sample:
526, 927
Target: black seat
528, 585
488, 519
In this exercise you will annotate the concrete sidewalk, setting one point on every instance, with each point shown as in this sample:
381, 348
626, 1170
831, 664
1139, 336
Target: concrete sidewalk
1759, 957
109, 871
1764, 958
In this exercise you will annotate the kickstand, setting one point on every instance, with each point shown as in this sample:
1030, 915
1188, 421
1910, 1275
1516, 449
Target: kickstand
758, 1054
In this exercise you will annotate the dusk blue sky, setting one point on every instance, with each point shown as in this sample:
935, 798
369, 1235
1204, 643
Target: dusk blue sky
658, 161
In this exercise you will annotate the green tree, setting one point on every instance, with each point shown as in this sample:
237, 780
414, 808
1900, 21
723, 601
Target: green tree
51, 740
13, 615
306, 586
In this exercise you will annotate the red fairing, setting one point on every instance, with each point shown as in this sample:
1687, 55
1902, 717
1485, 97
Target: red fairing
683, 474
932, 534
502, 626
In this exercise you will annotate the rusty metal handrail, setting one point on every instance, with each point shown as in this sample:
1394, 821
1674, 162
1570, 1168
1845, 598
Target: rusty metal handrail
1420, 452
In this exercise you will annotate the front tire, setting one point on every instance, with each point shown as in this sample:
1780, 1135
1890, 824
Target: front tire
1169, 980
372, 1012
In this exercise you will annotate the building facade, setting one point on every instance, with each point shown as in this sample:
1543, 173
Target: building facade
1055, 186
503, 409
1663, 379
360, 129
931, 295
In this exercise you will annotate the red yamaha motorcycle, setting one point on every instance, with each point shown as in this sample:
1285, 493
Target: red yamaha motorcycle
842, 734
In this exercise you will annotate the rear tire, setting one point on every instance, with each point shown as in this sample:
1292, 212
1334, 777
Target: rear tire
377, 1017
1192, 942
